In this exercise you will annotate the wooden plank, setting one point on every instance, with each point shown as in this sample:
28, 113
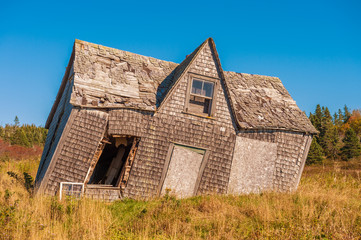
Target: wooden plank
94, 161
114, 166
304, 157
125, 173
201, 170
100, 87
197, 75
165, 168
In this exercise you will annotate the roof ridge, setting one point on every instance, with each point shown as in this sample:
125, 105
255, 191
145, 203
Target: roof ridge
78, 41
253, 74
179, 71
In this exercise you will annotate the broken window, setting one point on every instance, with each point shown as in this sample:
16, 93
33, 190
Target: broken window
113, 166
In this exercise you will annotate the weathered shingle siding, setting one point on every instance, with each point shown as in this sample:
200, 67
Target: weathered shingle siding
106, 194
86, 129
205, 63
170, 124
55, 130
292, 149
128, 122
290, 157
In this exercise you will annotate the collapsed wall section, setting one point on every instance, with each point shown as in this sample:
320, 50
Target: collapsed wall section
77, 146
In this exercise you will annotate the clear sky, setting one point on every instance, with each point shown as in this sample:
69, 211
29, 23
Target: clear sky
314, 47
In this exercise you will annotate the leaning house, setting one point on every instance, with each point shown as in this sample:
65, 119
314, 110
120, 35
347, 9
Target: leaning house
127, 125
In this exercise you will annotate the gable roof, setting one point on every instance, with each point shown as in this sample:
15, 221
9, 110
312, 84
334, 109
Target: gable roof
110, 78
180, 71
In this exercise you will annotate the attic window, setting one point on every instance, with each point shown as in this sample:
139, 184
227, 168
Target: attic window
201, 97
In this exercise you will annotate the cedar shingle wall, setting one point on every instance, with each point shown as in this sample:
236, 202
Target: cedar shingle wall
128, 122
171, 125
205, 63
291, 152
55, 130
86, 129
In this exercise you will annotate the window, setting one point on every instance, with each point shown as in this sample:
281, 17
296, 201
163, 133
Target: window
201, 97
115, 159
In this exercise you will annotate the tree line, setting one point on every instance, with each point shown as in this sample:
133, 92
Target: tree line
338, 137
24, 135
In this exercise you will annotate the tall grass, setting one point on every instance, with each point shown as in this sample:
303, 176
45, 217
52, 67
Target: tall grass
327, 205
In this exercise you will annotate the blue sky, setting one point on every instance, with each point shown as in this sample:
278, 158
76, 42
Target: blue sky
314, 47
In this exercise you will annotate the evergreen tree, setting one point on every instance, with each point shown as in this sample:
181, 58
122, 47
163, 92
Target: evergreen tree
346, 114
24, 135
340, 118
327, 115
15, 138
335, 119
24, 141
315, 155
352, 147
334, 143
317, 117
20, 138
312, 118
326, 128
16, 121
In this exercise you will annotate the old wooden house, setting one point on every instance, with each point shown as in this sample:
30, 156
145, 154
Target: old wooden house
127, 125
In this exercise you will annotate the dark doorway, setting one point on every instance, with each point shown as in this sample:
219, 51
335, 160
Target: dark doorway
109, 166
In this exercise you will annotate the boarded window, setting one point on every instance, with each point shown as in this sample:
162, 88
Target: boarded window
183, 171
252, 166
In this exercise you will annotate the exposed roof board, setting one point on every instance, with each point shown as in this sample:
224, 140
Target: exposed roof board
262, 102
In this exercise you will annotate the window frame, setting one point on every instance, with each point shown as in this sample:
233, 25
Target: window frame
189, 93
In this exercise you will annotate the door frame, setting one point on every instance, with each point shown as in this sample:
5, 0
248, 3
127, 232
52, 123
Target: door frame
167, 162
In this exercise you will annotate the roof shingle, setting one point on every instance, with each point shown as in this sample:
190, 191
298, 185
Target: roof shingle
110, 78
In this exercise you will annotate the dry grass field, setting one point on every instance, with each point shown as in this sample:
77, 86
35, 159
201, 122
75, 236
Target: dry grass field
327, 205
